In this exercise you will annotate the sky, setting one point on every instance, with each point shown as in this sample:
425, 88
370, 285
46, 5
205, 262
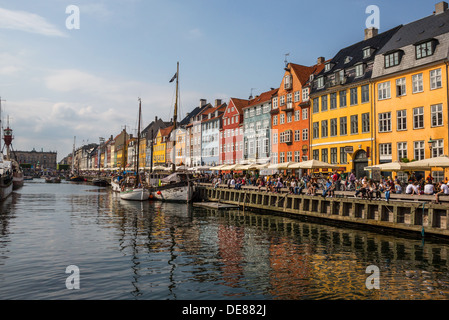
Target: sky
57, 83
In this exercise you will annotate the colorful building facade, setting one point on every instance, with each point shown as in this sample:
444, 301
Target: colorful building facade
231, 134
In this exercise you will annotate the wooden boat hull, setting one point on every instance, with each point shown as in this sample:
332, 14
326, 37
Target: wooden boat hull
18, 180
176, 193
100, 182
140, 194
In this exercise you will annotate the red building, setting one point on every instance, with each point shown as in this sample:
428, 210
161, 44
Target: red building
231, 134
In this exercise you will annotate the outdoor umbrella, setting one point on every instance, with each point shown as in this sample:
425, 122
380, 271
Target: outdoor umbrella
217, 168
284, 165
392, 166
312, 164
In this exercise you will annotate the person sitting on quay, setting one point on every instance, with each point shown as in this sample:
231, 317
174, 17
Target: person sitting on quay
300, 186
444, 190
363, 188
293, 185
388, 188
411, 188
279, 185
429, 188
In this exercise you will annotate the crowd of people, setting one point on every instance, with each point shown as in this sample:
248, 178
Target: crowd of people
327, 185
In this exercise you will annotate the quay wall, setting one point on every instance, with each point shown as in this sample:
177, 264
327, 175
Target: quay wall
399, 215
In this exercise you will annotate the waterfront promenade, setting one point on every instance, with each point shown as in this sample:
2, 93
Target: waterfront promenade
418, 215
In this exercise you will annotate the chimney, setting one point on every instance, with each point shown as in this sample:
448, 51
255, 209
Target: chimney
440, 7
155, 119
371, 32
217, 102
320, 60
203, 102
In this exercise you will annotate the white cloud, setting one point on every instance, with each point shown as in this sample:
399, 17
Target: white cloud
27, 22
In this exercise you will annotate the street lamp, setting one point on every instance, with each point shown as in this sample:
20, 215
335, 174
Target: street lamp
431, 142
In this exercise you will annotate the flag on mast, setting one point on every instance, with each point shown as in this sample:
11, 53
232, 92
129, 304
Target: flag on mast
174, 77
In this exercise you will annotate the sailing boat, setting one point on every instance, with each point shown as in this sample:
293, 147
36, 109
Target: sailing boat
177, 186
75, 177
136, 192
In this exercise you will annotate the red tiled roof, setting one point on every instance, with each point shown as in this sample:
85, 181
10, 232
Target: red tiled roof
240, 103
166, 131
221, 107
265, 96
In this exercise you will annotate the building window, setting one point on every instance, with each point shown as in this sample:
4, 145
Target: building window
316, 130
282, 118
365, 93
297, 96
305, 94
316, 105
324, 129
333, 102
343, 126
365, 123
418, 118
418, 149
359, 70
289, 117
392, 59
417, 83
334, 156
297, 115
342, 98
354, 124
297, 135
384, 90
333, 127
305, 114
438, 148
320, 82
275, 138
424, 49
324, 103
316, 154
275, 120
258, 111
275, 103
289, 156
297, 156
401, 89
282, 101
401, 120
353, 97
282, 157
437, 115
385, 122
274, 158
305, 134
324, 156
435, 79
289, 98
402, 150
343, 155
385, 152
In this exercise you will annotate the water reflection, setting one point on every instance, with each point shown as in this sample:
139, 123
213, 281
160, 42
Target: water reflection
153, 250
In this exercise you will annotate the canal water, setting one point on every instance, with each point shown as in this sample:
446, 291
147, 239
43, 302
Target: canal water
153, 250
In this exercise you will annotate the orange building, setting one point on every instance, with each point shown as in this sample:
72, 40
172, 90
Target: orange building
290, 114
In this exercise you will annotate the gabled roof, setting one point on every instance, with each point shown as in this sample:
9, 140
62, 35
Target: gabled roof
190, 115
239, 104
414, 32
221, 108
165, 132
302, 72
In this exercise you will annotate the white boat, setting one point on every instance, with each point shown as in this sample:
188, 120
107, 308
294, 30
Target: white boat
177, 187
135, 190
135, 194
6, 177
115, 184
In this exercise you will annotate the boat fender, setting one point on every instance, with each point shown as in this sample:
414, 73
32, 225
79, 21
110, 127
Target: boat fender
159, 193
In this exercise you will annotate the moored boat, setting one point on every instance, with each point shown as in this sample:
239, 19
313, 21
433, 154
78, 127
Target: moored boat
177, 187
6, 177
100, 182
135, 194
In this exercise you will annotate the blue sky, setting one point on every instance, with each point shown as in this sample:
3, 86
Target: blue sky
60, 83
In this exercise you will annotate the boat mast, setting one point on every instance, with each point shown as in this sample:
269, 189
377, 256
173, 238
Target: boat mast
175, 118
1, 128
138, 141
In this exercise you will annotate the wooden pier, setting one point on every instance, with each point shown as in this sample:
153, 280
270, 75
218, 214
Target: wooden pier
419, 217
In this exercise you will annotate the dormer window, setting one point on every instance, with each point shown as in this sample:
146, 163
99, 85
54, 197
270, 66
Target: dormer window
392, 59
340, 76
367, 52
359, 70
348, 59
425, 48
320, 82
327, 67
312, 76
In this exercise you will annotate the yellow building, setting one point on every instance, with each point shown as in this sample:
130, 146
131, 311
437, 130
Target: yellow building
160, 146
341, 120
411, 91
